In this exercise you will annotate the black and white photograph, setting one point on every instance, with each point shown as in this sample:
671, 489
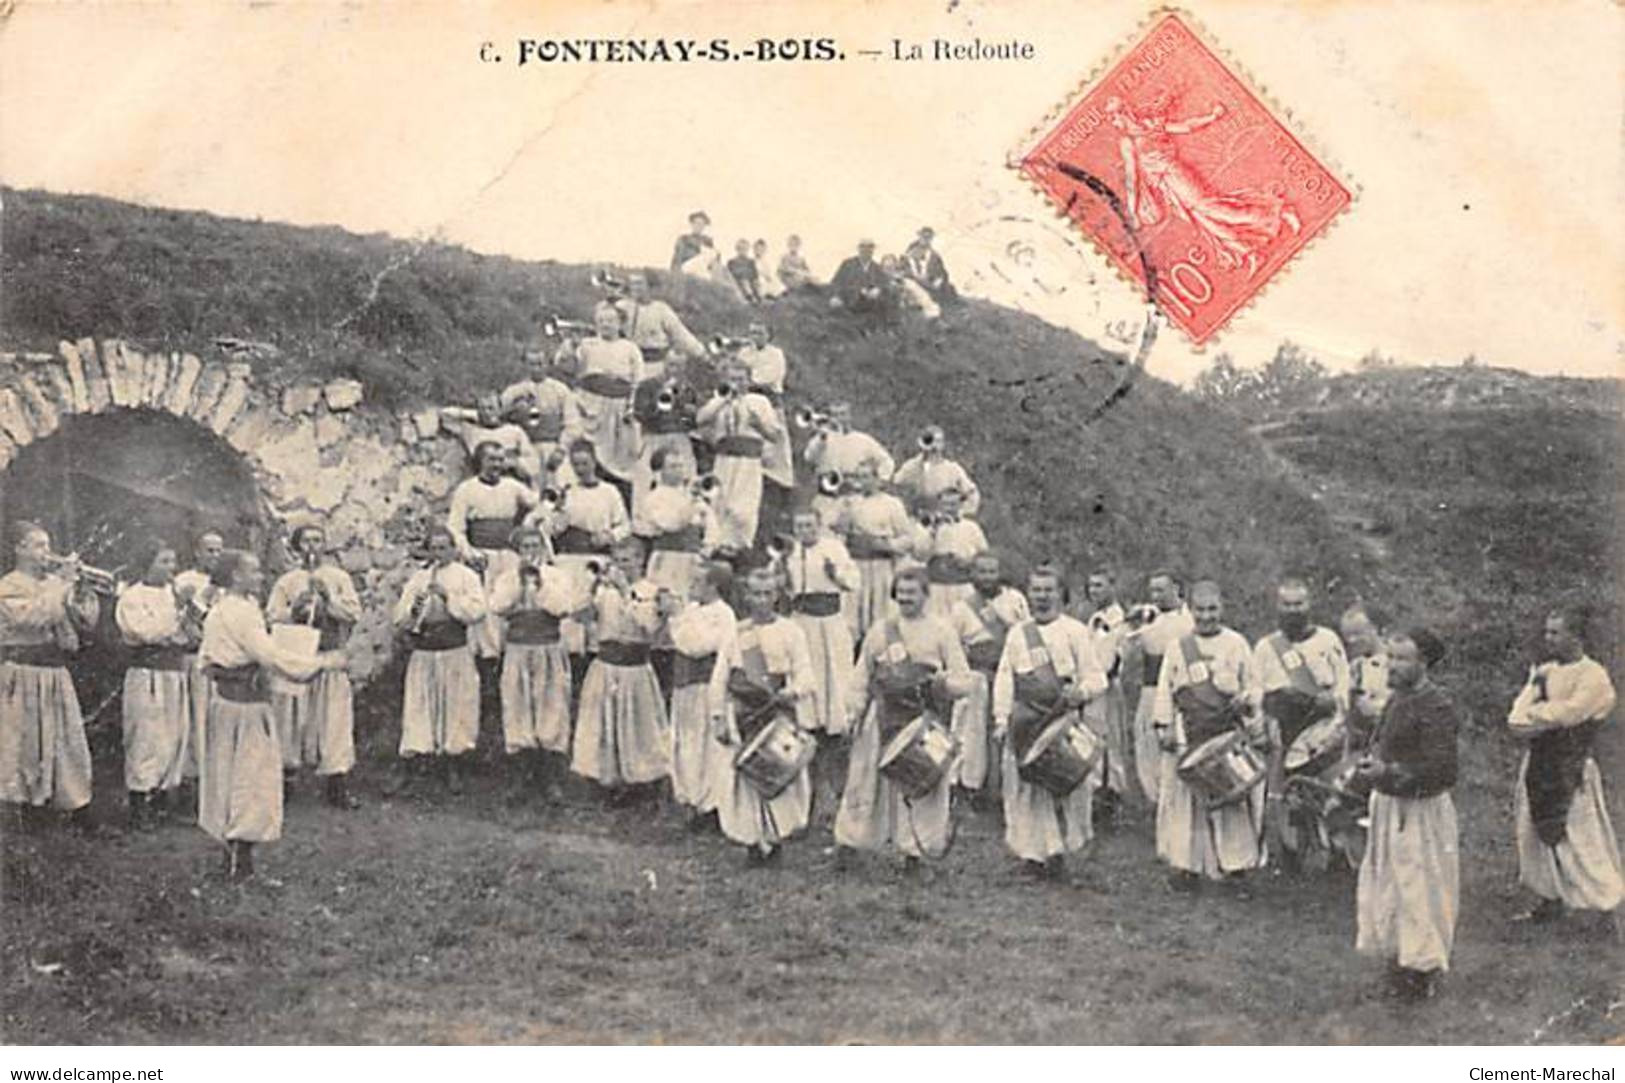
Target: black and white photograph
909, 524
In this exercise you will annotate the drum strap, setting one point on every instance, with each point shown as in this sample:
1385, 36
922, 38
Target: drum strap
1037, 692
1292, 661
754, 686
1200, 702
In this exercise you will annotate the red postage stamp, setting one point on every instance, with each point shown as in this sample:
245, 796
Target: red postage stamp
1181, 174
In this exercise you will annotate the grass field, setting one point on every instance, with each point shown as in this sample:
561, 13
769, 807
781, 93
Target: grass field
439, 920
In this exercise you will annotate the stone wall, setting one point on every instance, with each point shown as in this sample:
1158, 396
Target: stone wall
318, 453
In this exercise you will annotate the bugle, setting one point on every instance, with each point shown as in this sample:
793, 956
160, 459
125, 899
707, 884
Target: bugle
931, 439
721, 344
780, 546
705, 487
96, 579
808, 418
666, 401
830, 483
607, 280
559, 327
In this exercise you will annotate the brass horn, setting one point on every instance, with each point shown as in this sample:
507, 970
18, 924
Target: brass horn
559, 327
931, 439
780, 546
98, 580
720, 344
705, 487
808, 418
608, 280
830, 483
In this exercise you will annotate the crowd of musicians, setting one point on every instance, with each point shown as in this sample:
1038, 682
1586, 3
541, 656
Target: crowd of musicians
624, 614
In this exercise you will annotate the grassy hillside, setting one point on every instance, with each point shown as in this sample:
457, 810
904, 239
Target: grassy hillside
1158, 479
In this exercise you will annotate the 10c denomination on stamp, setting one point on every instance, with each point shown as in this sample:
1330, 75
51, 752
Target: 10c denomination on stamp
1180, 173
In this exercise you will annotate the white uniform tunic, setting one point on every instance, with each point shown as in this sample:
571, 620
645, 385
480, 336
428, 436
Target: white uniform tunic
768, 368
440, 711
878, 530
680, 528
317, 724
700, 764
610, 370
954, 545
1190, 837
44, 757
1037, 824
740, 429
240, 781
874, 813
745, 817
1148, 646
982, 624
559, 423
845, 452
157, 688
829, 637
595, 509
623, 734
506, 435
924, 479
193, 587
1583, 870
1108, 625
502, 506
535, 664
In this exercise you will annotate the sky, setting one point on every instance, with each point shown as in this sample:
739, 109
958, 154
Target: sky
1483, 140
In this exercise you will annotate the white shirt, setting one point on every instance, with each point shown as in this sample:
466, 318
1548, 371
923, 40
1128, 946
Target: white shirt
147, 614
927, 478
559, 593
784, 651
1323, 657
234, 635
342, 603
805, 567
1228, 657
1071, 650
962, 539
846, 452
767, 366
596, 509
508, 436
30, 609
699, 630
671, 508
1576, 692
508, 500
465, 598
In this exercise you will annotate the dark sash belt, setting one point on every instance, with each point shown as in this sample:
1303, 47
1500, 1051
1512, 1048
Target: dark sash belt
1152, 669
1557, 762
605, 385
239, 684
686, 540
868, 547
946, 570
546, 430
667, 423
817, 604
533, 628
616, 652
490, 533
576, 541
170, 657
44, 655
740, 447
655, 353
440, 635
984, 655
687, 671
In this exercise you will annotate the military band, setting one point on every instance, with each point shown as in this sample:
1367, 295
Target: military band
864, 666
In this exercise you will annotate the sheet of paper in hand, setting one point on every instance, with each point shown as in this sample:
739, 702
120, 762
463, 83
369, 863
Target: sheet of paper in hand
1181, 174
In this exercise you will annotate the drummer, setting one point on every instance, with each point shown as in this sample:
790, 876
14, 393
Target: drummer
1303, 687
699, 631
1203, 691
762, 672
983, 623
909, 664
1047, 672
1144, 649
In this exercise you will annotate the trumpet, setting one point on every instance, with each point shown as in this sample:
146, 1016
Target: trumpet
931, 439
808, 418
705, 487
607, 280
1142, 615
97, 580
666, 401
559, 327
780, 546
727, 389
830, 483
720, 344
552, 498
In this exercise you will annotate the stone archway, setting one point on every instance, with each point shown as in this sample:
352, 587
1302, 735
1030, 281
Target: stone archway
282, 453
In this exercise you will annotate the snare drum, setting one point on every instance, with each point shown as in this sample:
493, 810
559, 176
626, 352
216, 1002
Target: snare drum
1223, 769
298, 639
775, 756
1316, 748
919, 756
1062, 756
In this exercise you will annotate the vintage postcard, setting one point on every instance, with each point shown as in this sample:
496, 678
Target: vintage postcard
917, 523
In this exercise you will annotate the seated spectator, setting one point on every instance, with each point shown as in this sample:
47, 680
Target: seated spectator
909, 293
770, 285
793, 270
922, 265
860, 284
693, 245
745, 274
